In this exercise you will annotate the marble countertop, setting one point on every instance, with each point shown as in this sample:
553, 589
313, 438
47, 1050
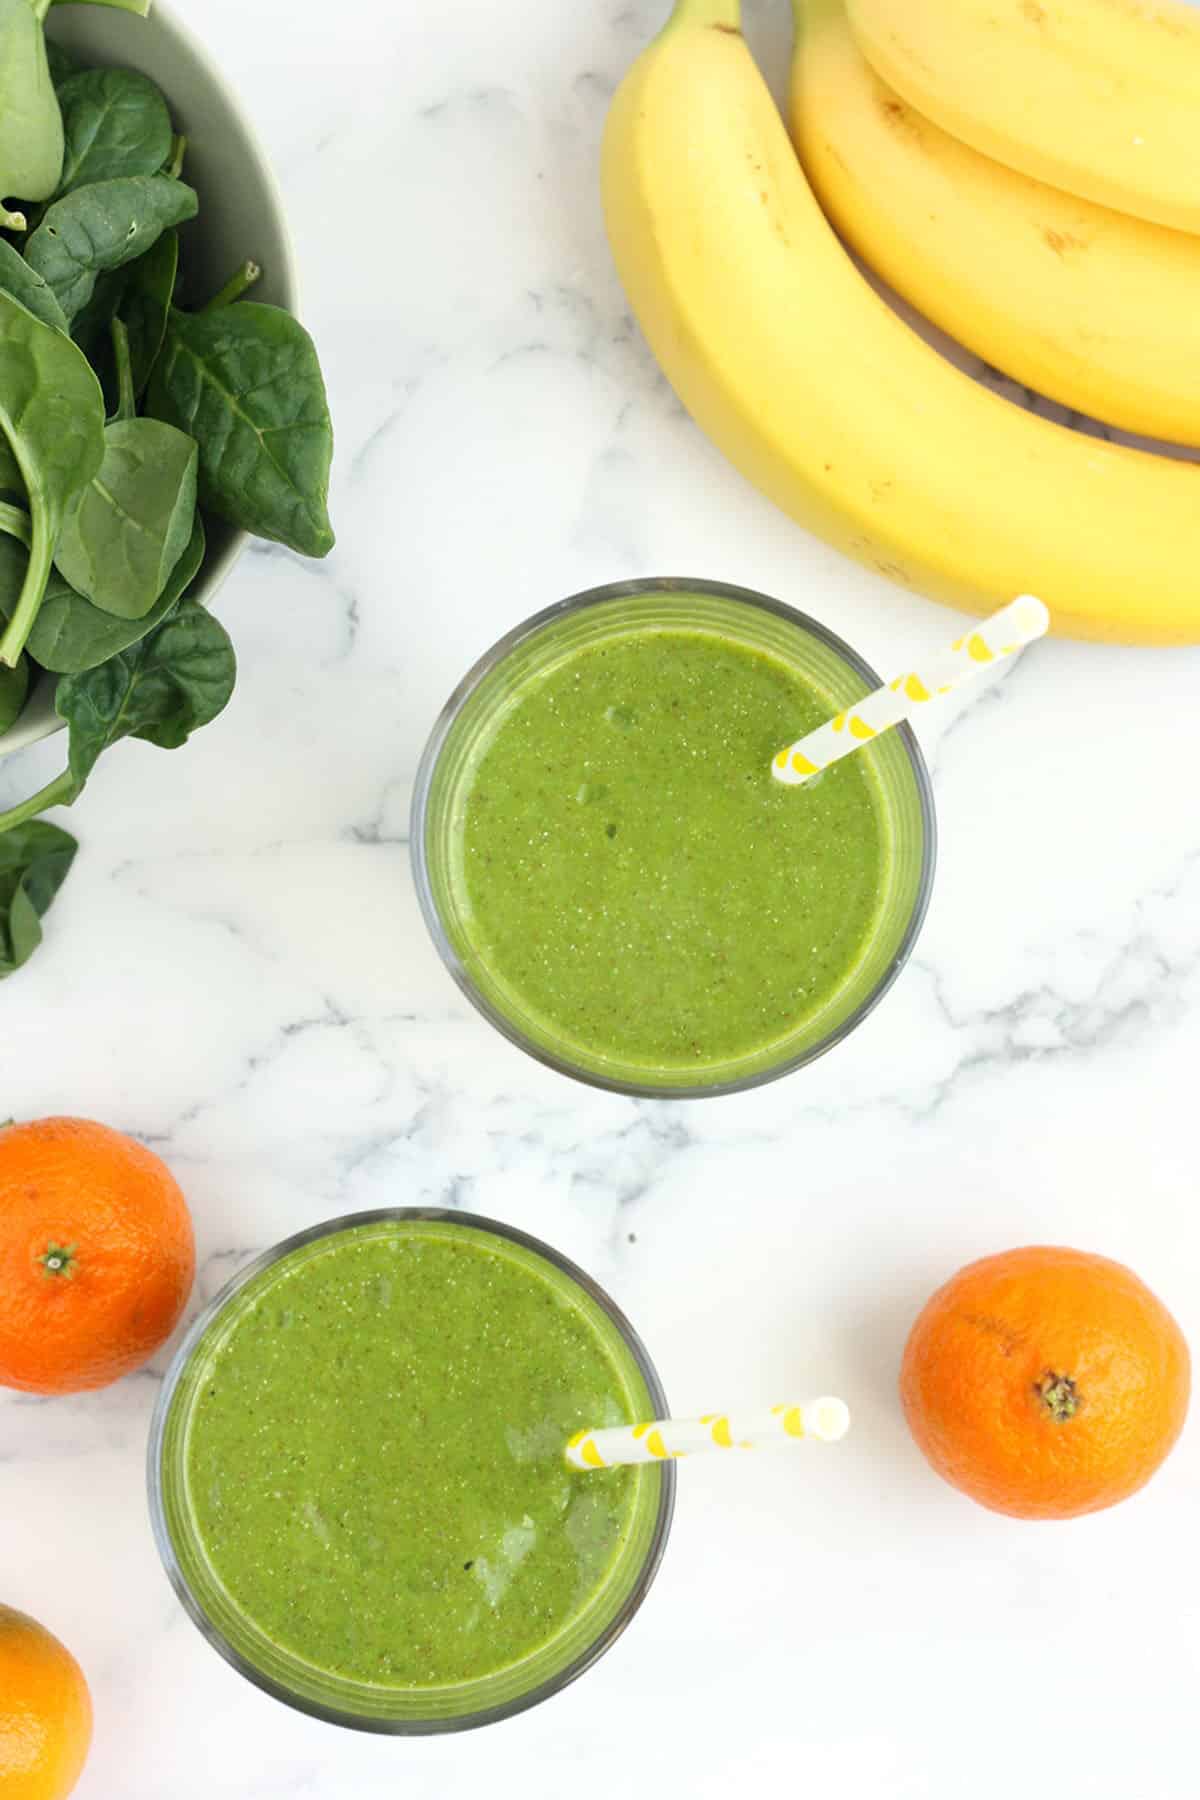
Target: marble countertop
237, 972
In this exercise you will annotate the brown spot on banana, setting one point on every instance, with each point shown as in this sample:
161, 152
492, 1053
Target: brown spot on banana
1062, 242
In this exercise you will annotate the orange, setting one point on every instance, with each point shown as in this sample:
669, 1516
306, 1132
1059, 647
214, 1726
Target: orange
45, 1712
97, 1255
1045, 1382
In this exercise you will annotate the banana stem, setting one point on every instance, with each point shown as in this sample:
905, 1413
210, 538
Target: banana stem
721, 15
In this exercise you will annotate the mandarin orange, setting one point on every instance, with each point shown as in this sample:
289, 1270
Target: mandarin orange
97, 1255
45, 1712
1045, 1382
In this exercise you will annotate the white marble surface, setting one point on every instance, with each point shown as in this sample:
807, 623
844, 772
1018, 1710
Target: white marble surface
236, 971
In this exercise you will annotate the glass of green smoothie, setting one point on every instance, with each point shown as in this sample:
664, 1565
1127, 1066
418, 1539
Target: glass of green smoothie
614, 878
357, 1474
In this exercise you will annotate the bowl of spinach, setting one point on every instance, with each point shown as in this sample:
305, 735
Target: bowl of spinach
159, 400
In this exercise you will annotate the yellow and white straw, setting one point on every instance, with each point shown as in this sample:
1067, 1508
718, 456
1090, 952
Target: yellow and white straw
1006, 632
825, 1420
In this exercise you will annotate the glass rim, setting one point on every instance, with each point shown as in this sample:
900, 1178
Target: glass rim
533, 626
278, 1690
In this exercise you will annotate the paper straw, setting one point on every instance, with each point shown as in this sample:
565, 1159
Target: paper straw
1006, 632
825, 1420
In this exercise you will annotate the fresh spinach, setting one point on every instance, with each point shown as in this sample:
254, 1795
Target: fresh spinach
103, 227
14, 561
31, 129
140, 7
146, 305
62, 64
240, 282
71, 635
34, 861
174, 163
16, 523
52, 415
161, 690
115, 123
14, 689
129, 528
100, 537
245, 382
12, 482
27, 286
91, 327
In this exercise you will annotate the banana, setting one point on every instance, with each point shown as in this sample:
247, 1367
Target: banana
1089, 306
823, 397
1100, 97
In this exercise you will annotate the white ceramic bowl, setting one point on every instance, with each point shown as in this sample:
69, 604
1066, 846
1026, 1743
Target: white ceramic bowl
241, 216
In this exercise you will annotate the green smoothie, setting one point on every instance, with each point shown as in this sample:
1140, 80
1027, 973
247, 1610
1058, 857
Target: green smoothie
631, 877
373, 1455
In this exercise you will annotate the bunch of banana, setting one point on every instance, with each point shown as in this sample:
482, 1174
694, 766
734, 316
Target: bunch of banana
1092, 307
1100, 97
823, 397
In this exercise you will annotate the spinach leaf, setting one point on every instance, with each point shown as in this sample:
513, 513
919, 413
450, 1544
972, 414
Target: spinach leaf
12, 482
173, 682
71, 634
14, 561
16, 523
128, 530
140, 7
115, 122
146, 305
240, 282
91, 328
103, 227
27, 286
52, 415
62, 64
34, 862
31, 131
245, 382
174, 163
14, 690
161, 689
